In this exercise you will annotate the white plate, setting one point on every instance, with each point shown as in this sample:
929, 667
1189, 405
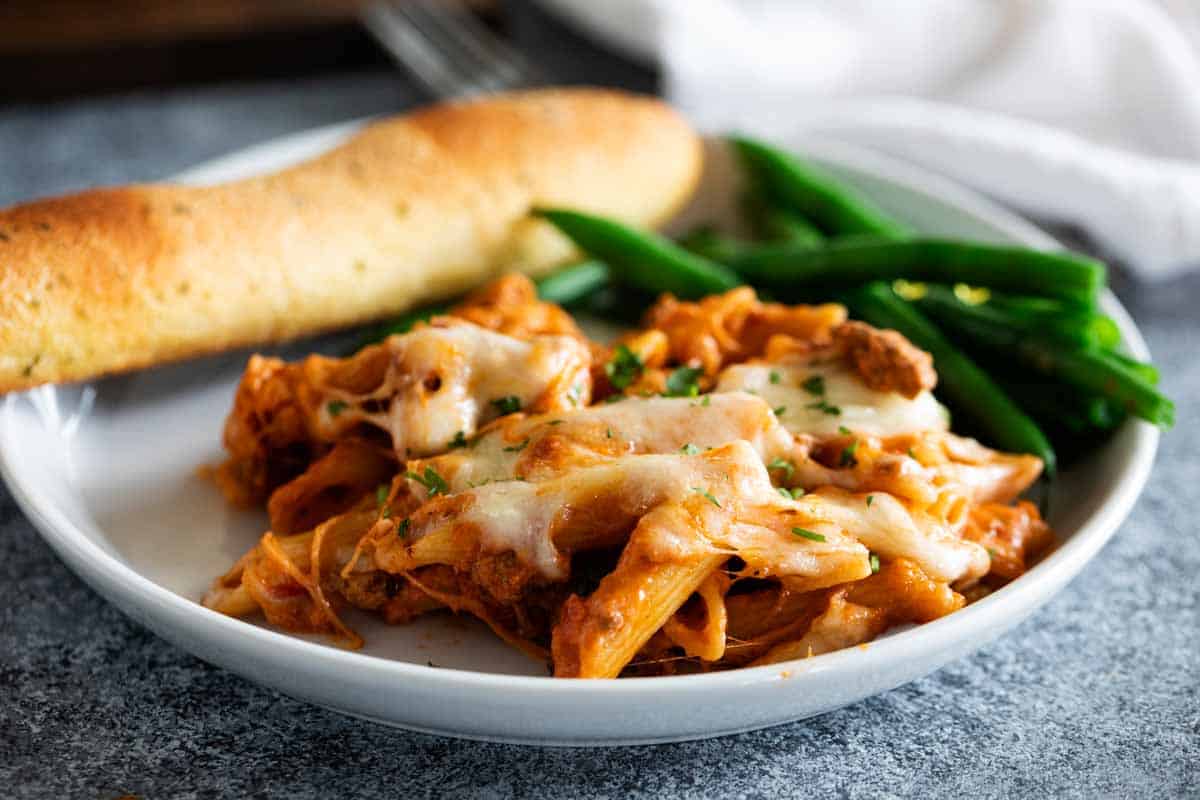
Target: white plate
107, 473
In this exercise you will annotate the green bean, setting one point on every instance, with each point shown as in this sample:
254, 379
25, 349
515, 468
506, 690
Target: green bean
707, 242
1076, 329
564, 286
1093, 370
573, 283
792, 184
960, 381
1046, 400
1064, 276
642, 259
1149, 372
776, 224
1099, 329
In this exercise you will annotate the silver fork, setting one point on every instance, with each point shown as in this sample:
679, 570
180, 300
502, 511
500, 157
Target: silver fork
447, 49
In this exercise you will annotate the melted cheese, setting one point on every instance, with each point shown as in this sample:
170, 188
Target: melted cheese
520, 517
443, 381
859, 408
727, 495
892, 531
633, 426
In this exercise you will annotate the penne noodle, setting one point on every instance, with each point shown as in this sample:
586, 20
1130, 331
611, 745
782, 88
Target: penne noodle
597, 636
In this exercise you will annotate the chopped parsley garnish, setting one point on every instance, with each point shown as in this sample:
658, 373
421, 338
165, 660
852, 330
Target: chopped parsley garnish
402, 528
807, 534
507, 405
783, 464
689, 449
516, 448
790, 494
798, 491
335, 407
381, 494
783, 491
624, 368
459, 440
848, 458
608, 433
707, 495
821, 405
870, 499
774, 376
814, 384
706, 401
430, 480
874, 562
682, 382
912, 455
843, 430
991, 553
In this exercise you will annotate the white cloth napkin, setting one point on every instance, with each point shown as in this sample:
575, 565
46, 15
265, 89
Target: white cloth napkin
1082, 111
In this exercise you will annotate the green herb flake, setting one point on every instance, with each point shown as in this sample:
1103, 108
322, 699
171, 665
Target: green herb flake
814, 384
381, 494
608, 433
556, 422
804, 533
774, 376
706, 401
516, 448
783, 491
991, 553
614, 398
779, 411
848, 458
459, 440
797, 492
689, 449
870, 499
874, 562
707, 495
430, 480
335, 407
624, 368
822, 406
403, 528
682, 382
507, 405
912, 455
843, 430
783, 464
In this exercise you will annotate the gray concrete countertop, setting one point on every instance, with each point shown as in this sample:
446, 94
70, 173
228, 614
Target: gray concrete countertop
1098, 695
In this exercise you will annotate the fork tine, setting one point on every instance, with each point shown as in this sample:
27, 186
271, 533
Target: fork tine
450, 52
466, 69
504, 66
412, 49
468, 55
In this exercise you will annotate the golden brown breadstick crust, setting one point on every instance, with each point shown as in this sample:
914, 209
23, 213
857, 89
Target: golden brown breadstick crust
411, 209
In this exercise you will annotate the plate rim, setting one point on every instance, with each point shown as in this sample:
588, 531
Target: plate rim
161, 609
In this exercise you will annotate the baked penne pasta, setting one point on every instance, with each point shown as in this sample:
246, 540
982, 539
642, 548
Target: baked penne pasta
801, 493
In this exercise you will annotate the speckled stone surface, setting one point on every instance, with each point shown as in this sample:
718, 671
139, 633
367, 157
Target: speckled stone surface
1098, 695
